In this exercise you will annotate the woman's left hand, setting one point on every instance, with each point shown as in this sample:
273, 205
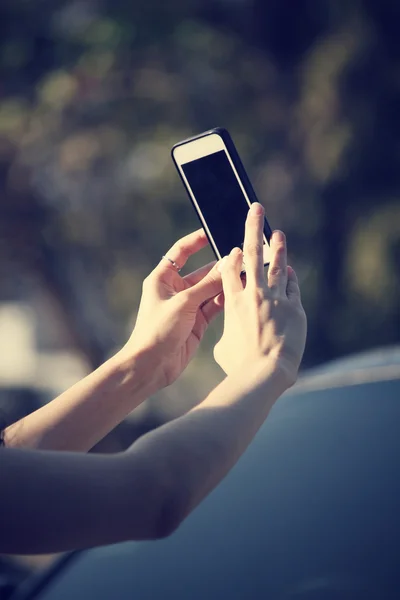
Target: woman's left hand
174, 312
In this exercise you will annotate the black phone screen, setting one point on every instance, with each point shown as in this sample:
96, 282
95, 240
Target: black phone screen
220, 198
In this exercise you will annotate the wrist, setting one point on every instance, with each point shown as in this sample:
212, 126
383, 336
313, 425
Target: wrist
285, 367
134, 374
272, 368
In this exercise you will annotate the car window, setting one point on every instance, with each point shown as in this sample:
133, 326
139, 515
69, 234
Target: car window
313, 502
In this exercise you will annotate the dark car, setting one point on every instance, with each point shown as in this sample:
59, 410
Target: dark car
312, 510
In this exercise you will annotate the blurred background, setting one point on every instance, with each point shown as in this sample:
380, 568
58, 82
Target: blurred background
93, 94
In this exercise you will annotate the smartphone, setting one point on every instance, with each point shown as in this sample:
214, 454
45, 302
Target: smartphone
219, 188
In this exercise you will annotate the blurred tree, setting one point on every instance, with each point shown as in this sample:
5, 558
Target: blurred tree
93, 93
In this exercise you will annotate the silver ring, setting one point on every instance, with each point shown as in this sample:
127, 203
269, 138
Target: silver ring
177, 267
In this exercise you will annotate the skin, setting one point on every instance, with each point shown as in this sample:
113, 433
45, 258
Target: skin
262, 315
173, 315
78, 500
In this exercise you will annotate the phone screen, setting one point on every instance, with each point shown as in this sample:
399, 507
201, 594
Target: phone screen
220, 198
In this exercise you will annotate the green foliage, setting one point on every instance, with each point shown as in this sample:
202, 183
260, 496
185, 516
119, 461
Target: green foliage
93, 95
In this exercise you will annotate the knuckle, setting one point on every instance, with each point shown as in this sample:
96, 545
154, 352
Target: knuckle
179, 248
254, 217
254, 249
280, 249
275, 271
273, 305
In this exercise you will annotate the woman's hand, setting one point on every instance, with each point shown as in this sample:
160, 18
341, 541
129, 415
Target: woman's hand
174, 312
263, 317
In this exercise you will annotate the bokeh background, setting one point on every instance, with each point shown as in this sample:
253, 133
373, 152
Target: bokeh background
93, 94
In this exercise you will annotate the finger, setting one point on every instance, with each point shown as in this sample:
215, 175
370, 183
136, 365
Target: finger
183, 248
277, 272
253, 245
293, 289
213, 307
198, 275
231, 267
208, 287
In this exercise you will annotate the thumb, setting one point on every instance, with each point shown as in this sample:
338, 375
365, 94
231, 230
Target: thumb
213, 307
206, 288
231, 267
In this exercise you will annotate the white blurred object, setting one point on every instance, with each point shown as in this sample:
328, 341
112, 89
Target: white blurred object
21, 362
57, 371
17, 344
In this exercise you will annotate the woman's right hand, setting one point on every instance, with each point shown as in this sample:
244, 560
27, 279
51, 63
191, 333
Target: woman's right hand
264, 317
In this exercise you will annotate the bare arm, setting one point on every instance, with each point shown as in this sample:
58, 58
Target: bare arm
173, 316
199, 449
84, 414
61, 501
53, 501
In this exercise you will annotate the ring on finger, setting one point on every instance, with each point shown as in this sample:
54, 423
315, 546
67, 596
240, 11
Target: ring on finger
173, 263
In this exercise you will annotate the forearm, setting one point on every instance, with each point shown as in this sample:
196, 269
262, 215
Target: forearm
198, 449
52, 501
58, 501
80, 417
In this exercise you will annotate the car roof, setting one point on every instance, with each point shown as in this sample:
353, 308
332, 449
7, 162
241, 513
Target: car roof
311, 509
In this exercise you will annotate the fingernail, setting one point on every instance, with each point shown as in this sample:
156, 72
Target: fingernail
236, 251
221, 263
278, 236
256, 209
